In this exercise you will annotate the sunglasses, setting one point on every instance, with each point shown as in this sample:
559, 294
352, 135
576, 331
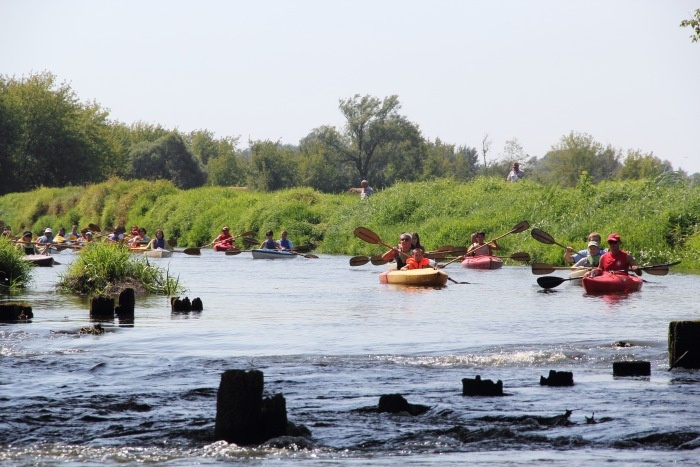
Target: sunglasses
405, 239
612, 242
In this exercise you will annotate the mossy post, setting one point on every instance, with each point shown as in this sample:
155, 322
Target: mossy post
684, 344
243, 417
102, 306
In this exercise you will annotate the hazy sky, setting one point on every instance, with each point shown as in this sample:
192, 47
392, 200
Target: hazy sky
622, 71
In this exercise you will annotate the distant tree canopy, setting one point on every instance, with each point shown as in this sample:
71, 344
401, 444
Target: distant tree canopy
49, 138
694, 24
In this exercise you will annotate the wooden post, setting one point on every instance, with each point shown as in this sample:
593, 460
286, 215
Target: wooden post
684, 344
102, 306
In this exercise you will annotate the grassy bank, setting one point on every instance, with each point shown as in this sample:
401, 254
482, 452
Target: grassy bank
658, 221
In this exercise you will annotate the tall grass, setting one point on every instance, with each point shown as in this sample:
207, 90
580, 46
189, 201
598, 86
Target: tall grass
15, 273
103, 268
659, 220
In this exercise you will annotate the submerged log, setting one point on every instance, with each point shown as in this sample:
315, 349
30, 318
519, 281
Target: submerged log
396, 403
684, 344
558, 378
634, 368
242, 416
11, 312
479, 387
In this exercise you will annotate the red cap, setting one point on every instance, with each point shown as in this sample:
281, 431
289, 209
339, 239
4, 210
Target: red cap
613, 237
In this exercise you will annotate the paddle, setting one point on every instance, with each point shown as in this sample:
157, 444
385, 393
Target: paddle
549, 282
94, 228
189, 251
359, 260
542, 268
658, 269
456, 282
519, 227
544, 237
378, 260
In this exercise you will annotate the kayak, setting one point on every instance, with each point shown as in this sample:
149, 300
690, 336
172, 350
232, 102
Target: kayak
425, 277
577, 274
158, 253
39, 260
224, 247
610, 282
482, 262
261, 253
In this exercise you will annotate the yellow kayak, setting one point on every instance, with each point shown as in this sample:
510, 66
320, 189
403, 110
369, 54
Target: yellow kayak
426, 277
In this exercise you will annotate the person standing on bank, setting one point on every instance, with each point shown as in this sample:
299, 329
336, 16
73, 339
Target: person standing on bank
367, 190
515, 174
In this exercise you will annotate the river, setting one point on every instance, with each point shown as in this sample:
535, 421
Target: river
332, 340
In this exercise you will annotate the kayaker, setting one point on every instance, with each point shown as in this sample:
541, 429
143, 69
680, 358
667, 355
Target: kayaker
480, 248
225, 239
25, 244
284, 242
74, 235
415, 241
158, 242
269, 243
7, 231
574, 257
400, 252
616, 260
417, 260
145, 239
592, 259
117, 235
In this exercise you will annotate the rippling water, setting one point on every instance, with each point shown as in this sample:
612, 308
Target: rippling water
333, 340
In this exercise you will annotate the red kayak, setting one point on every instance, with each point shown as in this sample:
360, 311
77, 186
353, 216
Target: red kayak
611, 283
224, 247
482, 262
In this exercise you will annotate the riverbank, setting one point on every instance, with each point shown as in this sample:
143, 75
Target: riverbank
658, 221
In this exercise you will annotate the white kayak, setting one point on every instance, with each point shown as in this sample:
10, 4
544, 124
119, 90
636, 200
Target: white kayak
260, 253
158, 253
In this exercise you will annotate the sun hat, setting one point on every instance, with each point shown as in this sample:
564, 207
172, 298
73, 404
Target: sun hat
225, 227
613, 237
592, 243
27, 233
48, 230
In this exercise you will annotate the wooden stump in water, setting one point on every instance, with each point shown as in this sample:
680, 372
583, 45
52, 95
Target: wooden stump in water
102, 306
684, 344
396, 403
127, 302
477, 387
242, 416
634, 368
11, 312
558, 378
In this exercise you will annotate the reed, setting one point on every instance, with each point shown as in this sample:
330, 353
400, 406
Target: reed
104, 268
15, 273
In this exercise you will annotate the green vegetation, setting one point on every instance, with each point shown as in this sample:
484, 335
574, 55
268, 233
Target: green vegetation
15, 273
104, 268
51, 139
658, 219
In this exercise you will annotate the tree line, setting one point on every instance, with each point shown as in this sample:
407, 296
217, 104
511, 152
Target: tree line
49, 137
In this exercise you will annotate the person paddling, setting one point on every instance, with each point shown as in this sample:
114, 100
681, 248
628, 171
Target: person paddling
480, 248
225, 239
400, 252
284, 242
269, 243
615, 260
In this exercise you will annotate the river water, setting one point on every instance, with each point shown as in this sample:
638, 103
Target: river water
332, 340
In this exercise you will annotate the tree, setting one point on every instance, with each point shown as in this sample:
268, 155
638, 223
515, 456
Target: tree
49, 138
694, 24
466, 164
373, 132
322, 168
228, 167
576, 153
166, 158
272, 166
637, 165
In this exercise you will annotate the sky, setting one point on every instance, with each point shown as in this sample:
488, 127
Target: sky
623, 72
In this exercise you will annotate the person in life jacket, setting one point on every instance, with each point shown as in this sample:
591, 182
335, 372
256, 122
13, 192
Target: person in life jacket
417, 260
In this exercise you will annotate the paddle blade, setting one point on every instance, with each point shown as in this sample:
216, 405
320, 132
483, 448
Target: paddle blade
250, 241
549, 282
366, 235
192, 251
172, 242
439, 255
520, 227
249, 233
378, 260
520, 256
232, 252
445, 248
310, 256
359, 260
94, 228
458, 251
542, 236
657, 271
542, 268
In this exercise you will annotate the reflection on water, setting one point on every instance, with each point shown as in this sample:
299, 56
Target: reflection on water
332, 340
